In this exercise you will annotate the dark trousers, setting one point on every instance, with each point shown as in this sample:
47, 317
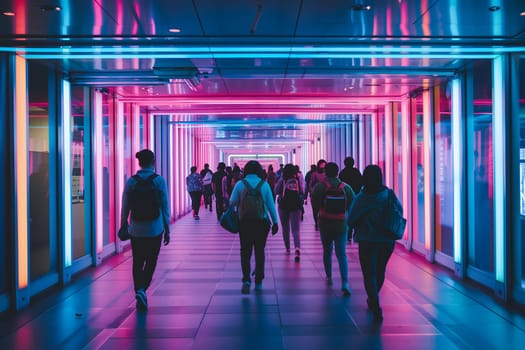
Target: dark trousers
219, 205
373, 257
196, 201
253, 235
208, 192
145, 253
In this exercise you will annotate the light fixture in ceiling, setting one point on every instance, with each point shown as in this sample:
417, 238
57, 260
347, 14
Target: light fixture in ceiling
522, 13
50, 8
174, 30
8, 13
361, 7
494, 8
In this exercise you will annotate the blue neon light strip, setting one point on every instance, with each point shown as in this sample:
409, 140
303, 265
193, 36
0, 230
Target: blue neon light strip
499, 156
457, 159
66, 169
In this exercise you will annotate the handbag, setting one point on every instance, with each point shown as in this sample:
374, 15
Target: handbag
230, 220
393, 220
123, 233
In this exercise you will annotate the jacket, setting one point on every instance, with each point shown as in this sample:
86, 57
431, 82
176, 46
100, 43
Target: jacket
318, 192
194, 183
266, 193
366, 216
147, 228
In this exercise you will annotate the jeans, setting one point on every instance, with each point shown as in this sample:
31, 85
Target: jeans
219, 205
145, 252
253, 235
290, 219
196, 201
339, 239
373, 257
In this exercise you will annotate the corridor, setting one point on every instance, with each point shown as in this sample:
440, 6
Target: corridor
195, 303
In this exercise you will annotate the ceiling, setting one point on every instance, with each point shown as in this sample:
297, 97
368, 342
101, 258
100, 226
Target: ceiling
242, 61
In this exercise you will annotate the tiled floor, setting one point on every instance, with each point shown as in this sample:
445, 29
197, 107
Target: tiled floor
195, 303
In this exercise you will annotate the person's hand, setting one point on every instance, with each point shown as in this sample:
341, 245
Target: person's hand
275, 228
166, 235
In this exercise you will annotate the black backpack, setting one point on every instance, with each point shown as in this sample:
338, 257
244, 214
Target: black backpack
252, 204
144, 199
291, 195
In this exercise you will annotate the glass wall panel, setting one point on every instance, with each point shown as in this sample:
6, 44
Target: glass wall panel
480, 180
443, 175
42, 242
108, 186
81, 239
418, 172
398, 150
521, 230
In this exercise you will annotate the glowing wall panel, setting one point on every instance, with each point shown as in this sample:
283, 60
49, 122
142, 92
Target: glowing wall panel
66, 171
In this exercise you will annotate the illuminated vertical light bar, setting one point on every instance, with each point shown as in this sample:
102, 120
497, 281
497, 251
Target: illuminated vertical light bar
120, 145
150, 119
374, 136
405, 159
362, 141
388, 137
427, 165
66, 171
99, 177
171, 165
457, 161
21, 164
499, 156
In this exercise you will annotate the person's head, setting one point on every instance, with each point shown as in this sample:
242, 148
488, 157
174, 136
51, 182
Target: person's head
206, 166
253, 167
270, 168
221, 166
229, 170
372, 179
146, 158
332, 169
321, 165
289, 171
281, 166
349, 162
313, 167
193, 169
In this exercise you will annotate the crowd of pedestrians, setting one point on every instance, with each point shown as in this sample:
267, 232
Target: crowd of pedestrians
345, 205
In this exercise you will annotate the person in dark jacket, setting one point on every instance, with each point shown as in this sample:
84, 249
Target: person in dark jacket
375, 247
333, 230
195, 187
351, 175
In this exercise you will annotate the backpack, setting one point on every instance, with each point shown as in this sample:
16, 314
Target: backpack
334, 203
144, 199
393, 219
207, 179
252, 205
291, 197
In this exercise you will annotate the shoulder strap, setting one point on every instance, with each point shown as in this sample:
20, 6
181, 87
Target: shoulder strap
137, 178
247, 185
259, 185
152, 177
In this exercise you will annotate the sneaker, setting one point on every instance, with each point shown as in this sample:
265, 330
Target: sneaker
258, 287
142, 300
297, 255
197, 217
329, 280
288, 251
245, 288
346, 290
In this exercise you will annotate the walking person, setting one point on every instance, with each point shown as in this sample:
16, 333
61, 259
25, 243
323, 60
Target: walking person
253, 199
316, 177
332, 199
216, 183
195, 187
145, 202
207, 175
375, 247
351, 175
290, 203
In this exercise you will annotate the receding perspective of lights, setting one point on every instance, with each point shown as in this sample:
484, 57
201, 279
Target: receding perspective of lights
361, 7
174, 30
494, 8
8, 13
50, 8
